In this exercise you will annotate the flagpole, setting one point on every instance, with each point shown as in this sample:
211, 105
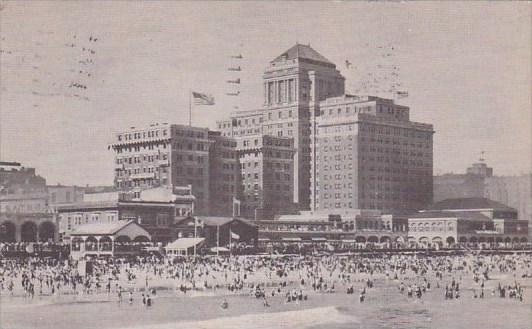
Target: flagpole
217, 241
195, 235
190, 108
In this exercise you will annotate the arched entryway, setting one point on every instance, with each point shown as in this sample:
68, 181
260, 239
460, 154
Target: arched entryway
28, 232
450, 241
122, 243
46, 231
76, 243
437, 241
424, 241
141, 238
91, 244
8, 232
373, 239
360, 239
385, 239
106, 244
524, 240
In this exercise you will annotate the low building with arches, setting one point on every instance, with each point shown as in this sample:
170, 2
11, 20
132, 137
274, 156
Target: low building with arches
467, 221
346, 229
100, 239
28, 227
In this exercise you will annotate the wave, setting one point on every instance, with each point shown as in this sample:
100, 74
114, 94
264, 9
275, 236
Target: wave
314, 317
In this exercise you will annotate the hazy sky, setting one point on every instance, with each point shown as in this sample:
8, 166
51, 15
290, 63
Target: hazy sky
466, 66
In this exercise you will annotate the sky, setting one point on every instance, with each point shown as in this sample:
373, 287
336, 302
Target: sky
465, 65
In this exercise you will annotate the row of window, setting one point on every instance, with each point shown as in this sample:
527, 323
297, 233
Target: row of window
433, 227
189, 157
144, 134
189, 171
190, 133
189, 146
144, 157
396, 131
137, 148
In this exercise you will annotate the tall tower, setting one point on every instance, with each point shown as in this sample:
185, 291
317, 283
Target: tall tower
294, 84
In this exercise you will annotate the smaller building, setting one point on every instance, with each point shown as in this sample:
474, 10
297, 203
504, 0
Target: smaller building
218, 231
343, 228
474, 221
108, 239
182, 246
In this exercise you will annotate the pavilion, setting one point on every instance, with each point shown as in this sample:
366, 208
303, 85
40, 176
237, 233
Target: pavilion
181, 246
98, 239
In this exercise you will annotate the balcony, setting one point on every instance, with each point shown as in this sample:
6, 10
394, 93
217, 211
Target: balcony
142, 175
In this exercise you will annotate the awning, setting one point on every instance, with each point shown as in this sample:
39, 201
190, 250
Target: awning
319, 239
264, 239
349, 241
184, 243
488, 232
219, 249
292, 239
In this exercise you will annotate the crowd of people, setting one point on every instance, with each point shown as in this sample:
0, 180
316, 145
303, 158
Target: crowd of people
295, 278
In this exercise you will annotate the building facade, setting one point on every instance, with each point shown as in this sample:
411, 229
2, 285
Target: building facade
61, 195
473, 221
267, 171
21, 190
294, 84
174, 155
365, 150
468, 185
25, 215
515, 191
345, 228
156, 210
479, 182
218, 231
224, 175
367, 154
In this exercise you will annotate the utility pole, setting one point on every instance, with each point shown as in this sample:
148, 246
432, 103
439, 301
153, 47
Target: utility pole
195, 234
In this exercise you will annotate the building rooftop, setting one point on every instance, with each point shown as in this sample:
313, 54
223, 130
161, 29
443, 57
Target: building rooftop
469, 203
103, 228
299, 51
469, 215
184, 243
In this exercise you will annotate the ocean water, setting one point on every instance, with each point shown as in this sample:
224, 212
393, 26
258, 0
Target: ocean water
321, 317
384, 308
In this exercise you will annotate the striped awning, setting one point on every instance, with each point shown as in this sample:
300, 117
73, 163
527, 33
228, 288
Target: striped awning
292, 239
